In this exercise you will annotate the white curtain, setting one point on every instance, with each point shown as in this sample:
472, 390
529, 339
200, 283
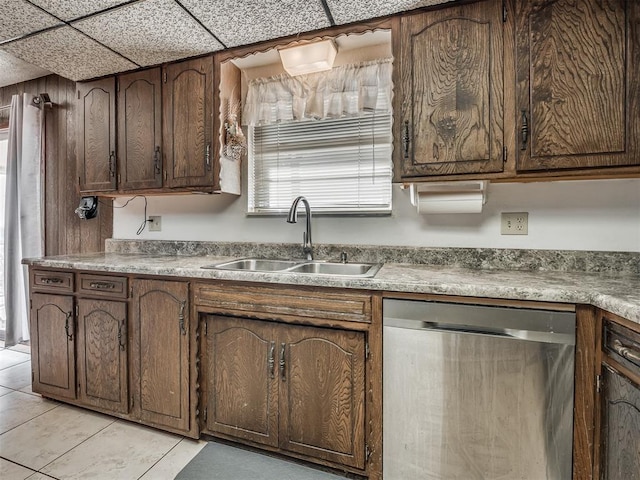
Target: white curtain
348, 90
23, 230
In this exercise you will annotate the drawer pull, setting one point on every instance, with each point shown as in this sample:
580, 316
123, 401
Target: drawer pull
102, 285
626, 352
51, 280
68, 326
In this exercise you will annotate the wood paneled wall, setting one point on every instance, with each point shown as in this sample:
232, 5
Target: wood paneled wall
65, 233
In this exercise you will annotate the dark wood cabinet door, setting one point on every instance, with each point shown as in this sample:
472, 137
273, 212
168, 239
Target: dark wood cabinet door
578, 91
620, 427
97, 135
102, 354
160, 353
451, 91
188, 123
241, 379
322, 393
140, 130
53, 345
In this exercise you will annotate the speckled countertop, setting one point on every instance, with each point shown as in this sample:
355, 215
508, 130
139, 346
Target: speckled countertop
615, 292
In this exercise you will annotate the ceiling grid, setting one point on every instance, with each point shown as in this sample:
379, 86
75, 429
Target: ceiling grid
81, 39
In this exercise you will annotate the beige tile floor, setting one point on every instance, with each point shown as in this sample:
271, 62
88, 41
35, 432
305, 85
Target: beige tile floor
41, 439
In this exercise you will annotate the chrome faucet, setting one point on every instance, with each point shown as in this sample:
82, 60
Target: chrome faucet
307, 246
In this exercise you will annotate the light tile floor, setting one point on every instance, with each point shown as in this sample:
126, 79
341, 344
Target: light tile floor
41, 439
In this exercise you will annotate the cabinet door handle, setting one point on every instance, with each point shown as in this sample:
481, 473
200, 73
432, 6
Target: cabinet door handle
51, 280
102, 285
626, 352
156, 160
122, 336
207, 156
68, 326
183, 330
524, 130
282, 364
112, 164
272, 359
405, 139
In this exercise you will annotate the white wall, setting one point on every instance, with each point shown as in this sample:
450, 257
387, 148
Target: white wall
575, 215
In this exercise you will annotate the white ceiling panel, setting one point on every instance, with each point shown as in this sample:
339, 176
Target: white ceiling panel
150, 32
244, 22
13, 70
68, 53
70, 9
355, 10
18, 18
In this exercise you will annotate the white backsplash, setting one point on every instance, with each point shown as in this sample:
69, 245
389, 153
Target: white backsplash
600, 215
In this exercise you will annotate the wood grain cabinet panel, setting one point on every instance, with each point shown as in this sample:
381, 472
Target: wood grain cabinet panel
295, 388
53, 360
102, 354
322, 394
242, 398
140, 130
451, 90
160, 353
188, 123
97, 135
621, 427
578, 84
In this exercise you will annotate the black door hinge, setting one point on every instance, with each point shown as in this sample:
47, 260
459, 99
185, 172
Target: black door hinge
367, 352
504, 11
504, 154
204, 415
165, 77
205, 329
598, 383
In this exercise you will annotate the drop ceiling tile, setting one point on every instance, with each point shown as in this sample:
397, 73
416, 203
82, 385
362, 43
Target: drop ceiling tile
356, 10
150, 32
13, 70
244, 22
70, 9
68, 53
18, 18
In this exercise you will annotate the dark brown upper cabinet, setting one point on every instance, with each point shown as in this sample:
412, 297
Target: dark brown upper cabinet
140, 130
97, 135
451, 91
188, 123
578, 84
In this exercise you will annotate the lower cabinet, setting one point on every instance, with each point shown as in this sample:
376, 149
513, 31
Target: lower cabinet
102, 354
160, 388
299, 389
619, 444
53, 360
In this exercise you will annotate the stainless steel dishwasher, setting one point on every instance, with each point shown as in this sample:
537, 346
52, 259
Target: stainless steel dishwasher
476, 392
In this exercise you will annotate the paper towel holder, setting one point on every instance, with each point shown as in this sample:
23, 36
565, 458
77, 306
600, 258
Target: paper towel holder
449, 193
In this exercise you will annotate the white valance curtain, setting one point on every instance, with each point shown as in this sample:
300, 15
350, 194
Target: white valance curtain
348, 90
23, 229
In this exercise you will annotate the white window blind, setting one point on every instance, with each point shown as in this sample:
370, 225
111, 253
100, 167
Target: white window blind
341, 165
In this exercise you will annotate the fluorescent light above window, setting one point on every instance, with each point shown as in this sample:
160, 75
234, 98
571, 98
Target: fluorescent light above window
308, 58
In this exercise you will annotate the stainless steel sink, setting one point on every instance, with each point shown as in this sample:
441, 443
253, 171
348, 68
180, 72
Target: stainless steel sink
342, 269
255, 265
315, 267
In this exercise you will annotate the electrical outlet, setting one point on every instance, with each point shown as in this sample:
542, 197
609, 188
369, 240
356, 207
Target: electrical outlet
514, 223
155, 223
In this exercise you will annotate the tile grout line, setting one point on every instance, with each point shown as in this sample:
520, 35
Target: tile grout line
75, 446
160, 459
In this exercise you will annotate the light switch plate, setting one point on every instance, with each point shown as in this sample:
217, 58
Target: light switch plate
514, 223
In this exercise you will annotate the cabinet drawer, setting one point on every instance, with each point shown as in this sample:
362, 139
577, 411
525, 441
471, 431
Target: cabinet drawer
102, 285
52, 281
284, 303
623, 345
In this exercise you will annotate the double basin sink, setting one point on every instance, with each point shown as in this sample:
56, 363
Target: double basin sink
317, 267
